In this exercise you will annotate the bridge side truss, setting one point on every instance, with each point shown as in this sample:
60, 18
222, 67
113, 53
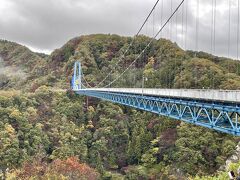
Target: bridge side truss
218, 116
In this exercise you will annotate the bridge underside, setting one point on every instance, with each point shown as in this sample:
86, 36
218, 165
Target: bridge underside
217, 115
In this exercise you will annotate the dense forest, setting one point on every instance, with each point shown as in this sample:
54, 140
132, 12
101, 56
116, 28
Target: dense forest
48, 132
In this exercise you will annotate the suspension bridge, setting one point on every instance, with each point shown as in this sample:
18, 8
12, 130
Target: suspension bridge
211, 108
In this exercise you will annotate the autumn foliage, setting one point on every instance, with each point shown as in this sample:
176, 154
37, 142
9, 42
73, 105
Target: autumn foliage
73, 169
60, 169
38, 118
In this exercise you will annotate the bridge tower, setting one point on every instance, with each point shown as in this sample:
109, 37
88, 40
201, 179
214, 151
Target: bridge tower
76, 82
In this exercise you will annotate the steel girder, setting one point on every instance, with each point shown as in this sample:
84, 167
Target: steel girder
223, 117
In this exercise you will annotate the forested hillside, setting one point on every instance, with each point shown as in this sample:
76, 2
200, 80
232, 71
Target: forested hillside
47, 132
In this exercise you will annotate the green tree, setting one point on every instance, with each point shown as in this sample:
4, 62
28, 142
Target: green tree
11, 155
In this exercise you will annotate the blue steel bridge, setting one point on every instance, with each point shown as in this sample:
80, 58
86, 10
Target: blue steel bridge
214, 109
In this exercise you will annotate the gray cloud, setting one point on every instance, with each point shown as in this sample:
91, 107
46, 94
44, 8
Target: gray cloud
47, 24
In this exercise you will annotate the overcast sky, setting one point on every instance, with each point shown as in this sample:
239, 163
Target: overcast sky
44, 25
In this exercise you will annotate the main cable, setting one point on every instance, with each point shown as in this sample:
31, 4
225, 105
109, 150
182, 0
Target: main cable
145, 21
153, 38
86, 82
162, 13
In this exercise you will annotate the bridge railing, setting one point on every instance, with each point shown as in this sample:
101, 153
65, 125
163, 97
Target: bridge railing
200, 94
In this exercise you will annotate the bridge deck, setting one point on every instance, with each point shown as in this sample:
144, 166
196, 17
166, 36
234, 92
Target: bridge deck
198, 94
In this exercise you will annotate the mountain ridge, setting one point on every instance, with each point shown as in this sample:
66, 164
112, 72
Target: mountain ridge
46, 126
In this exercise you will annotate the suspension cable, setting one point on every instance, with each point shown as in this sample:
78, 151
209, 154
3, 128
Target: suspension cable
83, 86
183, 45
174, 70
140, 29
176, 25
229, 36
153, 22
238, 23
212, 31
214, 27
186, 28
229, 27
183, 7
86, 82
171, 22
153, 38
162, 13
197, 25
